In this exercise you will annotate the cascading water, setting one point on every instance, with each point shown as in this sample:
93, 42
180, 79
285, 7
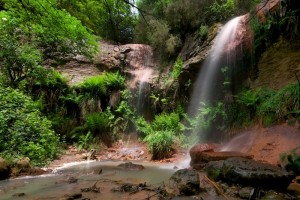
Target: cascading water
208, 86
142, 73
142, 90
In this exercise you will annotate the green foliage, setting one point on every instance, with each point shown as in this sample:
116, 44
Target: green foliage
124, 114
177, 67
23, 131
220, 11
97, 89
53, 30
19, 60
263, 105
281, 103
101, 84
207, 116
160, 144
99, 125
161, 133
161, 38
203, 31
111, 19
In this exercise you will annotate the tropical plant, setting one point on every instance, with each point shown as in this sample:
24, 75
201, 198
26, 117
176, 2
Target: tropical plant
161, 134
160, 144
177, 67
98, 125
23, 130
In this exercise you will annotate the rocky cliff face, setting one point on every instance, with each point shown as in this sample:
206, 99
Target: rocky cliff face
279, 65
133, 59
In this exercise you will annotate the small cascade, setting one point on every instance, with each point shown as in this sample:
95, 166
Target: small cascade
141, 79
208, 87
142, 91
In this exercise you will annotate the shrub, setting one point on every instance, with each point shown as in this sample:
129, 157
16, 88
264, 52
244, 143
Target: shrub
99, 85
99, 125
160, 144
161, 133
203, 31
280, 104
23, 131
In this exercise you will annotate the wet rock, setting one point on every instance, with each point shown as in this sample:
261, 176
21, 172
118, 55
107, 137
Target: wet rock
246, 192
72, 180
71, 196
35, 171
5, 169
131, 166
248, 172
21, 194
93, 188
196, 154
294, 187
271, 195
183, 182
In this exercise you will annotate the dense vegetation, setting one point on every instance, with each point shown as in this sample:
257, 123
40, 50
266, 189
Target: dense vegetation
39, 111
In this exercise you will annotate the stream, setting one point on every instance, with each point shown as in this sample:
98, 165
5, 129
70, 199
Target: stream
71, 178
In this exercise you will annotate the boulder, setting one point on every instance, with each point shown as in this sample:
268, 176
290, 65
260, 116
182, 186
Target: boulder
5, 169
183, 182
196, 154
248, 172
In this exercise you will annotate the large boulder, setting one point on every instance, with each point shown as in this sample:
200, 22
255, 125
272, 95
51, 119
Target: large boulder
196, 154
5, 169
248, 172
183, 182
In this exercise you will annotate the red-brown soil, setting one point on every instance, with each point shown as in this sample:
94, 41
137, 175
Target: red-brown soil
266, 144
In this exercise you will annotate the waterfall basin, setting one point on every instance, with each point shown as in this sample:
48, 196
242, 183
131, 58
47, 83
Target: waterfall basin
73, 177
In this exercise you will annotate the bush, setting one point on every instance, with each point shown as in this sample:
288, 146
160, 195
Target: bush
160, 144
99, 85
161, 133
280, 104
203, 31
98, 125
23, 131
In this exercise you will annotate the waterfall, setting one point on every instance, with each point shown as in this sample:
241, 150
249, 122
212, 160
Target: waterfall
143, 87
209, 84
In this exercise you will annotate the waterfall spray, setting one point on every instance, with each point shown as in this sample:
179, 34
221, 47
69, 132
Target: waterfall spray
208, 86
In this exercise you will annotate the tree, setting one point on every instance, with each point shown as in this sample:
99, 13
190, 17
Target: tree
111, 19
33, 30
54, 31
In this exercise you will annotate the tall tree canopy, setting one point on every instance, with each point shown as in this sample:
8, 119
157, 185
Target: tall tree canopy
34, 30
111, 19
